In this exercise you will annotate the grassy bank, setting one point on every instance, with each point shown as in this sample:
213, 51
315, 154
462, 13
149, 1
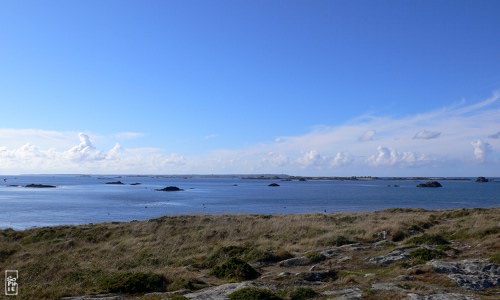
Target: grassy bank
185, 252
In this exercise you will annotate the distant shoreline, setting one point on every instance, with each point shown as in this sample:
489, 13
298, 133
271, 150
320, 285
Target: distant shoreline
267, 176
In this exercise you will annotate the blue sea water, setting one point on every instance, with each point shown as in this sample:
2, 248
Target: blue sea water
87, 199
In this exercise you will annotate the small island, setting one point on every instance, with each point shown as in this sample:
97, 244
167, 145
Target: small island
273, 184
482, 179
114, 182
34, 185
169, 189
433, 184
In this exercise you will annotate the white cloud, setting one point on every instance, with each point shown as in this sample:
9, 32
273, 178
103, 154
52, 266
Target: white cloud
495, 136
312, 158
390, 157
275, 160
84, 151
367, 136
426, 135
482, 150
129, 135
114, 152
39, 151
210, 136
342, 159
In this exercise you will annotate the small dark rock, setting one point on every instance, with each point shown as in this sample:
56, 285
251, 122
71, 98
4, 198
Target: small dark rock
169, 189
40, 186
136, 183
430, 184
319, 276
482, 179
273, 184
114, 182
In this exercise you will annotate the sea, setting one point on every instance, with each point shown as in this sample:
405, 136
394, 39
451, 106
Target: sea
83, 199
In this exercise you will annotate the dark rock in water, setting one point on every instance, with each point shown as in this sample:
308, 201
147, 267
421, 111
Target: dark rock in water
302, 179
33, 185
170, 189
273, 184
430, 184
135, 183
482, 179
114, 182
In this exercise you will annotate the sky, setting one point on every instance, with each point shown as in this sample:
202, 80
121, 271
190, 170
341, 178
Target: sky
330, 88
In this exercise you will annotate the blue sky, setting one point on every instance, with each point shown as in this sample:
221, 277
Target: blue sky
302, 87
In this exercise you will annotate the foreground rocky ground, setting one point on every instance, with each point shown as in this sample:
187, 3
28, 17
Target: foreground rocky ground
393, 254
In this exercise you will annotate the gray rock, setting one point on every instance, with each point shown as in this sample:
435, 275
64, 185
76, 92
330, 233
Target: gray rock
328, 252
446, 296
296, 261
344, 294
469, 274
283, 275
380, 286
392, 257
355, 247
218, 292
406, 277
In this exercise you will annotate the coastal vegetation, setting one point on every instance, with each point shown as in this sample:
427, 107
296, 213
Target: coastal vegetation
385, 254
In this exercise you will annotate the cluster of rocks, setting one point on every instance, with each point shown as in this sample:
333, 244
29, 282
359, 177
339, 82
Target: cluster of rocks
469, 274
472, 275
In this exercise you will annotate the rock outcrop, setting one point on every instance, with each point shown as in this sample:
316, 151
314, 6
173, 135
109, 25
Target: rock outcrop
469, 274
169, 189
433, 184
296, 261
218, 292
33, 185
443, 296
114, 182
392, 257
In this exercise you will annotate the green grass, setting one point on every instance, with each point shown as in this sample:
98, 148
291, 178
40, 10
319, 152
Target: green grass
61, 261
302, 293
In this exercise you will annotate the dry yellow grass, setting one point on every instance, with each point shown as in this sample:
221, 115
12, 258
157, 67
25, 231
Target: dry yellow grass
75, 260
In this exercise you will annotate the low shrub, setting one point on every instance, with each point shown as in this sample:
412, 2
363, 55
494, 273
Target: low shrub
315, 257
424, 254
253, 293
399, 235
426, 239
301, 293
234, 269
342, 240
134, 282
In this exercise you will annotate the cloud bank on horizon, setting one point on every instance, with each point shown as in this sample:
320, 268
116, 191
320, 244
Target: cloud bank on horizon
461, 140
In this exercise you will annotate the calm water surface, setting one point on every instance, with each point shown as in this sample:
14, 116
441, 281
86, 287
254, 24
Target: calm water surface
87, 199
